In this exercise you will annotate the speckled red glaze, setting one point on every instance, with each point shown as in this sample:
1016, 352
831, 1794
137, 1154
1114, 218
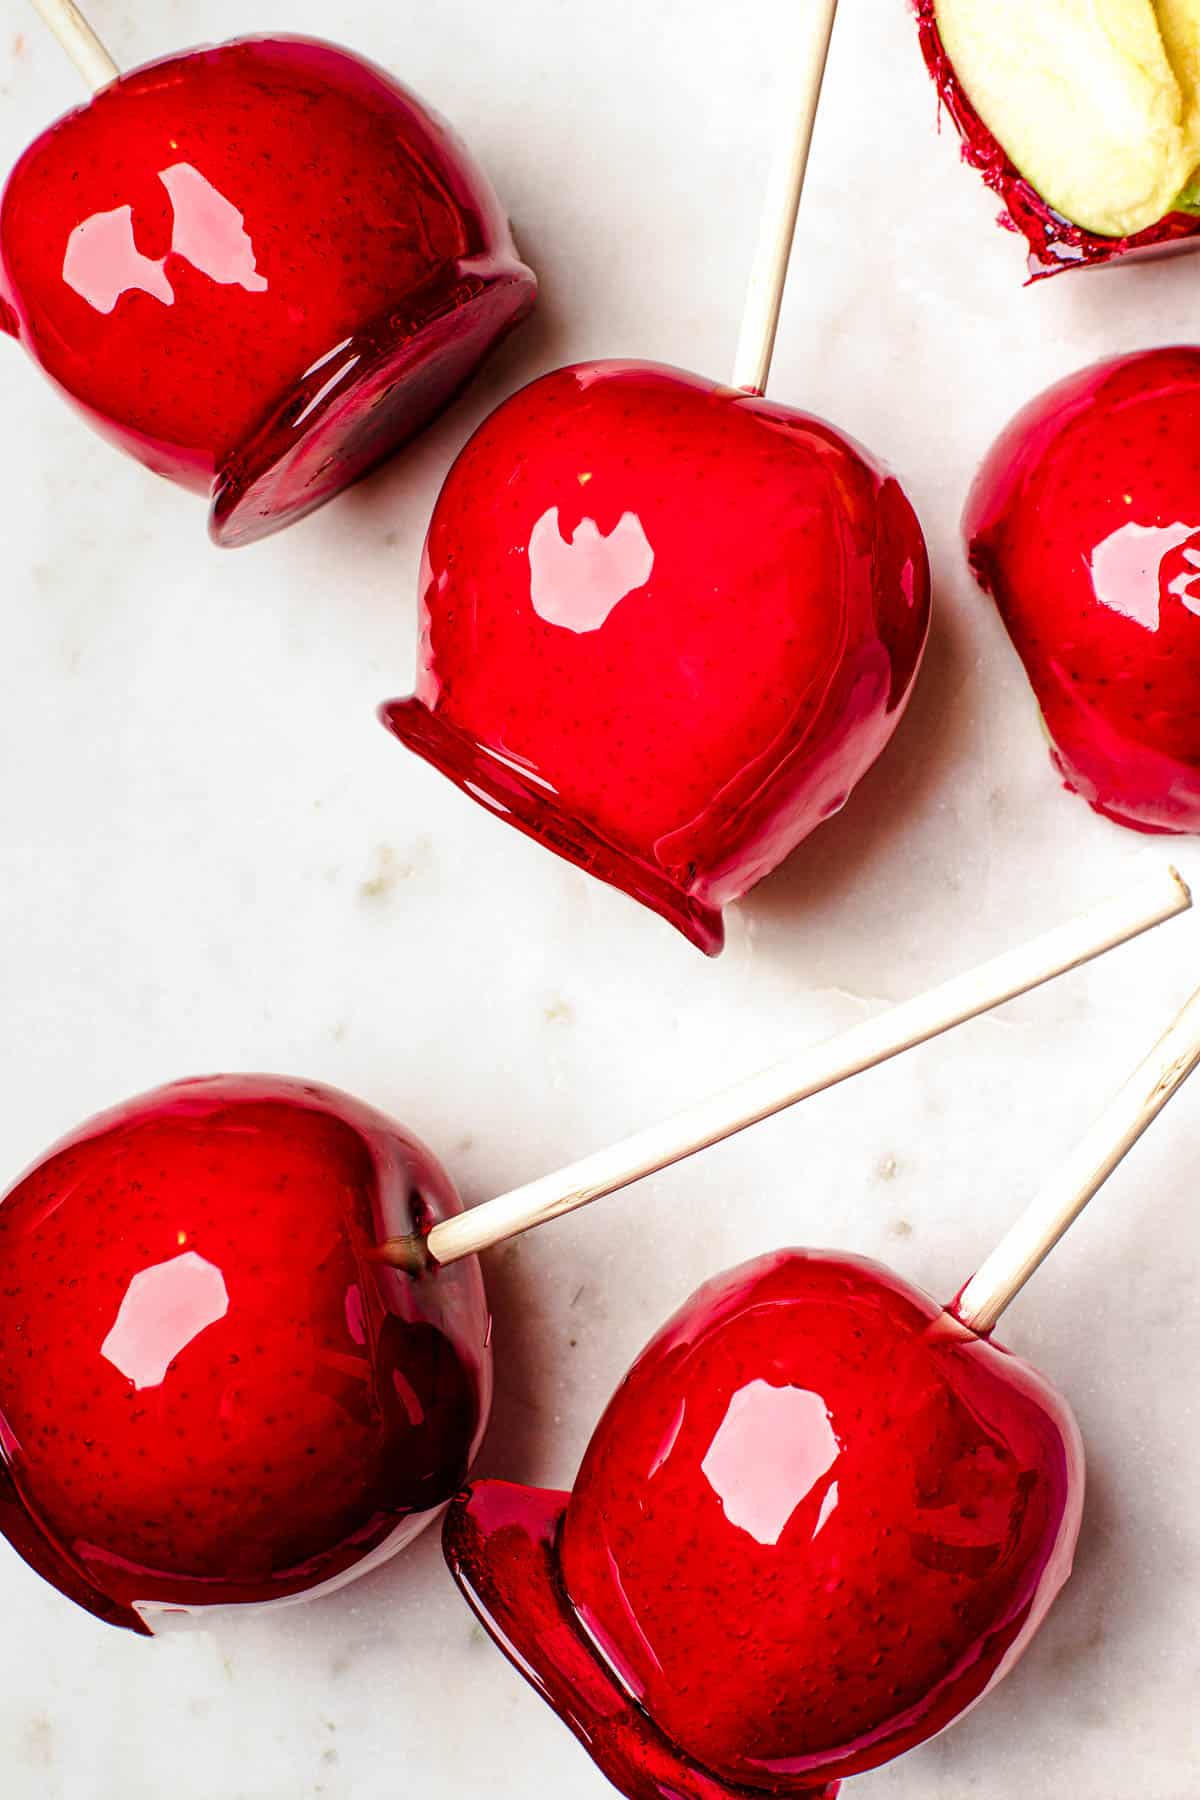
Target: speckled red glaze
666, 627
1054, 243
818, 1520
1084, 526
259, 269
209, 1392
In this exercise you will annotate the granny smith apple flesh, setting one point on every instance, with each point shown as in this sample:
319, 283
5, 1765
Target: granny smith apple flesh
1096, 102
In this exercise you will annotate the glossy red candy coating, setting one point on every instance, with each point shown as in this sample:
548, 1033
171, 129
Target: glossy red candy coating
502, 1546
1084, 526
257, 268
209, 1392
1055, 244
666, 628
817, 1521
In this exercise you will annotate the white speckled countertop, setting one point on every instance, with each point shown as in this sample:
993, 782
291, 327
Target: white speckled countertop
212, 857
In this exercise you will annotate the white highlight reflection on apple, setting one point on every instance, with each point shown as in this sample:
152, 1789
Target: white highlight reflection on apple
102, 262
209, 231
773, 1446
1125, 570
165, 1308
576, 582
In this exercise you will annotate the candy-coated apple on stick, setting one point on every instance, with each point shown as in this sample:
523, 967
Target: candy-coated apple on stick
211, 1391
820, 1518
668, 624
258, 268
1084, 526
232, 1369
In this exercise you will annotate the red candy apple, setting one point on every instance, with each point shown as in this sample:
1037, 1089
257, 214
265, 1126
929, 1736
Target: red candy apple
210, 1392
667, 627
259, 269
818, 1520
1084, 525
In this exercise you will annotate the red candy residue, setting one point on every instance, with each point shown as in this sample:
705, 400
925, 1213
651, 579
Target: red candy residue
1054, 243
817, 1521
1084, 526
259, 269
666, 628
209, 1391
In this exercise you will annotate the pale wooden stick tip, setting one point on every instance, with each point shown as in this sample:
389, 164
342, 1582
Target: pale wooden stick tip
1180, 883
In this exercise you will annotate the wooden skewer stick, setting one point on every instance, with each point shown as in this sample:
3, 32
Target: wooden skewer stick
79, 41
1024, 1249
821, 1066
768, 277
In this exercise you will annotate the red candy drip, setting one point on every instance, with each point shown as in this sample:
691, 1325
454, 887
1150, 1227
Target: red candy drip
209, 1391
818, 1520
1054, 243
259, 269
666, 629
500, 1543
1084, 526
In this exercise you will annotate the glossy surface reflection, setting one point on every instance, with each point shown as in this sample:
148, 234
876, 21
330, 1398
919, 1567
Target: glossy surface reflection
1055, 244
817, 1521
183, 255
209, 1392
1084, 526
163, 1310
103, 264
772, 1452
666, 629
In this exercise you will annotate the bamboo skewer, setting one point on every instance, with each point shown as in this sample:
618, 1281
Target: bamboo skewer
1023, 1249
813, 1070
768, 276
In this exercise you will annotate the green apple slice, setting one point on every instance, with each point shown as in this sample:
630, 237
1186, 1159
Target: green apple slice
1097, 102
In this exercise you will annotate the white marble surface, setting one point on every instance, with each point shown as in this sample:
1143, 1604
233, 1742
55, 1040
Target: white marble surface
211, 856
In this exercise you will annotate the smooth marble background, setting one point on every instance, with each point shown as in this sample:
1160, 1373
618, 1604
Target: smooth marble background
212, 857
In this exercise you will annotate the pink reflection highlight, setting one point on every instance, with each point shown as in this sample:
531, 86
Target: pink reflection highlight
576, 580
164, 1309
773, 1446
209, 230
1128, 570
103, 264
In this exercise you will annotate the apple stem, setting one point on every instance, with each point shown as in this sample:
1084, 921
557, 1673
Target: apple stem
768, 277
79, 41
1023, 1250
819, 1067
